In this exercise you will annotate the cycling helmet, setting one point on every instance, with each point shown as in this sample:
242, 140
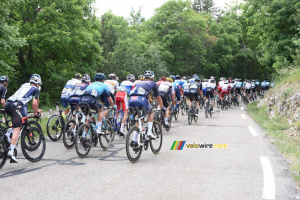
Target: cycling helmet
86, 78
173, 77
112, 77
36, 79
3, 79
141, 77
188, 77
212, 77
100, 76
77, 75
130, 77
117, 78
184, 78
149, 74
178, 76
170, 79
163, 78
226, 82
195, 76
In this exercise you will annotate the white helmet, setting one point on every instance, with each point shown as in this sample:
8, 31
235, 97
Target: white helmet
36, 79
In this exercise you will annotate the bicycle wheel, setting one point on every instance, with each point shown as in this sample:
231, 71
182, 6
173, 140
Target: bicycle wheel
190, 119
106, 139
176, 113
183, 109
54, 128
35, 124
33, 144
133, 149
83, 141
206, 112
155, 144
70, 134
169, 123
3, 152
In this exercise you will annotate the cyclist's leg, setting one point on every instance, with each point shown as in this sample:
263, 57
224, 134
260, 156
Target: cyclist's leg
13, 109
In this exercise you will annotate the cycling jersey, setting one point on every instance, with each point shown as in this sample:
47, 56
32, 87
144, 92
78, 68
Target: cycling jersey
122, 93
220, 85
25, 94
178, 84
225, 89
78, 90
112, 85
69, 88
165, 90
139, 95
96, 89
144, 88
186, 88
238, 84
193, 92
3, 91
248, 86
159, 82
126, 86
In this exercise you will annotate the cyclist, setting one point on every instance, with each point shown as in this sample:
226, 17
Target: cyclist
237, 87
92, 93
209, 92
195, 89
3, 89
14, 105
139, 98
112, 85
178, 86
225, 89
162, 79
254, 87
78, 90
248, 88
220, 84
65, 94
122, 100
140, 78
166, 90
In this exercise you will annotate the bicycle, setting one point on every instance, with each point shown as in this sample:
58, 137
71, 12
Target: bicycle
159, 116
183, 105
174, 110
31, 139
87, 137
207, 107
56, 124
71, 129
192, 113
137, 138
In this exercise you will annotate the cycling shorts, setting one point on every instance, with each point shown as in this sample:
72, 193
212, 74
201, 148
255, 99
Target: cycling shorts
194, 96
248, 91
220, 89
186, 94
105, 101
121, 99
165, 99
209, 94
224, 92
238, 90
92, 101
73, 102
141, 102
14, 109
65, 102
178, 95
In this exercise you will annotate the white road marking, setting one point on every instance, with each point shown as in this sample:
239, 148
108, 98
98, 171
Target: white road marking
269, 182
242, 108
253, 132
244, 116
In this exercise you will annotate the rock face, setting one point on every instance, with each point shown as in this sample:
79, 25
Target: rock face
289, 107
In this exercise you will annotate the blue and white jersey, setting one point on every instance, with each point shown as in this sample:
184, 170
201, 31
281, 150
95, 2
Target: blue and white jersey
267, 83
69, 88
79, 89
186, 87
178, 84
25, 94
144, 88
192, 81
96, 89
253, 85
126, 86
263, 84
238, 84
257, 83
204, 86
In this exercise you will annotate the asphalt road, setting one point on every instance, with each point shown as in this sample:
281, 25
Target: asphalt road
249, 168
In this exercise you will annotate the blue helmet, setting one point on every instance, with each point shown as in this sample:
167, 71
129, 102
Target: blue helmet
100, 76
195, 76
